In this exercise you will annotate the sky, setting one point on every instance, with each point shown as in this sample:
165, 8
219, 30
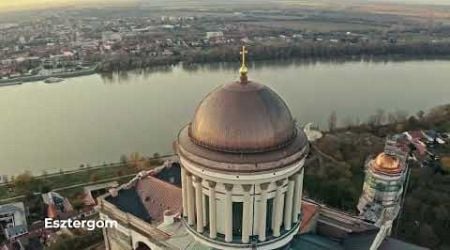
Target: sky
8, 5
428, 2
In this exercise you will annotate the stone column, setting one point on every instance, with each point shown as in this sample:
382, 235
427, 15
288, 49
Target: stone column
212, 210
205, 219
228, 213
199, 203
262, 212
278, 211
253, 208
302, 174
297, 196
184, 191
246, 219
288, 205
190, 199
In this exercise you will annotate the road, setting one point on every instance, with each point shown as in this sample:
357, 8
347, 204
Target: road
108, 165
164, 158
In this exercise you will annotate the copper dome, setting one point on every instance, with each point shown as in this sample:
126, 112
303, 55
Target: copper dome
242, 118
387, 164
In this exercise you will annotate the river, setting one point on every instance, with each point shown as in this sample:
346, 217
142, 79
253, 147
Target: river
95, 119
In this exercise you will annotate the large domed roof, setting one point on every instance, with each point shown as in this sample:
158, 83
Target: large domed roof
243, 118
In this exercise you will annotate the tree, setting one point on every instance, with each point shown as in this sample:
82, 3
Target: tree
391, 118
24, 182
427, 237
45, 189
413, 123
332, 120
349, 122
420, 114
83, 241
78, 203
94, 178
380, 117
134, 160
123, 159
401, 115
2, 239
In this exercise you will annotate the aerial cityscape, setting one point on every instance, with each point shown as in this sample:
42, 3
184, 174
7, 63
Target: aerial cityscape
224, 124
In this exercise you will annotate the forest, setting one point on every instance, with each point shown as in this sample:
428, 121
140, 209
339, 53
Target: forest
305, 50
337, 180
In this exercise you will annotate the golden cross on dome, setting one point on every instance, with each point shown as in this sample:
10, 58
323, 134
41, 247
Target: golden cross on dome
243, 52
243, 70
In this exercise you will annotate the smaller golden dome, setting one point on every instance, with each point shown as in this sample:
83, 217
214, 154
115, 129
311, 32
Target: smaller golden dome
387, 164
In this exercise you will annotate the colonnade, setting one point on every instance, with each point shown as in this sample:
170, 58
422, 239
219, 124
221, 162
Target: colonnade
285, 212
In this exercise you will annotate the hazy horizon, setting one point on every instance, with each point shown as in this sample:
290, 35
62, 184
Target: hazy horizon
19, 5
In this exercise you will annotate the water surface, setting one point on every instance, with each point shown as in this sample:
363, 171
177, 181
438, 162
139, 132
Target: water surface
94, 119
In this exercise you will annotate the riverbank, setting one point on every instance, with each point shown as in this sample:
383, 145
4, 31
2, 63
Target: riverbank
162, 64
34, 78
71, 182
303, 51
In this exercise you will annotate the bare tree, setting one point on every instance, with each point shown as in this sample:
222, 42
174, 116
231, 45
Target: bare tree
348, 122
391, 118
372, 120
380, 117
420, 114
332, 121
401, 115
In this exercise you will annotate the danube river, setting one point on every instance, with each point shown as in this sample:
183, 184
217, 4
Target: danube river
94, 119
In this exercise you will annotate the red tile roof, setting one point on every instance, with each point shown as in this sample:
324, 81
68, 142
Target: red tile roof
158, 196
416, 134
51, 211
309, 211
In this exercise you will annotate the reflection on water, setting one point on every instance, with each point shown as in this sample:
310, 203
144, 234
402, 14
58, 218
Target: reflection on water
123, 76
95, 119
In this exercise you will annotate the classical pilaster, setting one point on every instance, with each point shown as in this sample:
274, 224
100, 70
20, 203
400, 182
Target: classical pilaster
262, 212
184, 191
246, 219
288, 204
228, 213
297, 196
212, 210
199, 203
190, 199
278, 211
